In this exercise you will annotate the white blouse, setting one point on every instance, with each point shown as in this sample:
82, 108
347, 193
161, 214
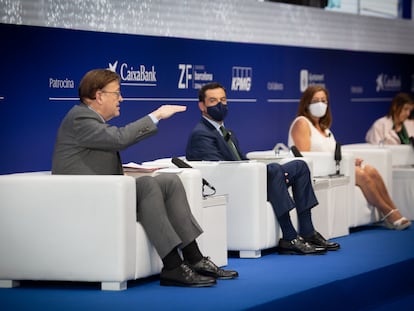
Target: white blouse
319, 142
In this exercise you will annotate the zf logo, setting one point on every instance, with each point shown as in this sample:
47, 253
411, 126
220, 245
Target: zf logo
185, 75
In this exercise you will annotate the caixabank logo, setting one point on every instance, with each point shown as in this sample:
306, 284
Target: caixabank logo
241, 79
309, 78
388, 83
194, 76
138, 75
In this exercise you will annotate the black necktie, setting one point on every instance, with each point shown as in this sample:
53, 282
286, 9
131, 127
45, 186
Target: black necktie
229, 142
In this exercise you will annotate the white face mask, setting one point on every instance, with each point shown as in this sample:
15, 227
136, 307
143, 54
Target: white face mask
318, 109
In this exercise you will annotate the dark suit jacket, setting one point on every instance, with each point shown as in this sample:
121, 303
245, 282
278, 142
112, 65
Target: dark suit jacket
206, 143
86, 145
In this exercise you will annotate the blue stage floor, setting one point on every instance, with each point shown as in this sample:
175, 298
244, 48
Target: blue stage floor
374, 270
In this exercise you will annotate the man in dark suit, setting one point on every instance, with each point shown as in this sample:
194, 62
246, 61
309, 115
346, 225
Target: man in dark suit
87, 145
210, 141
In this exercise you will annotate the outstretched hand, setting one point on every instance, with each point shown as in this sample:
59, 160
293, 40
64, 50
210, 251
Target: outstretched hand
166, 111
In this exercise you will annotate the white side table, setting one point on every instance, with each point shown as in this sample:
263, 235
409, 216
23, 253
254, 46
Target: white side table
331, 216
213, 241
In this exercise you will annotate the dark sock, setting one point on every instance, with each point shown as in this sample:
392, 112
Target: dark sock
305, 223
288, 231
192, 253
172, 260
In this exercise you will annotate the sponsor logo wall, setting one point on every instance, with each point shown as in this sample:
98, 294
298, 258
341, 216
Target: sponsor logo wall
42, 68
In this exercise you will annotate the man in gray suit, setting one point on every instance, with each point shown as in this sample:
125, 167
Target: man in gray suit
87, 145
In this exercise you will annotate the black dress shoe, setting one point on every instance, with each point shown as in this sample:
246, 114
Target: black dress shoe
318, 240
206, 267
299, 247
183, 275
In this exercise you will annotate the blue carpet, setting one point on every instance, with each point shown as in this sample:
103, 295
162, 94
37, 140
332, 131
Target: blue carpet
373, 271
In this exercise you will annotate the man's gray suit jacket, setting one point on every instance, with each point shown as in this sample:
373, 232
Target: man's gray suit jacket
86, 145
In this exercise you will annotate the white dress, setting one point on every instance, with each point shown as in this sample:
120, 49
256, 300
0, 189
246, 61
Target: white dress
319, 142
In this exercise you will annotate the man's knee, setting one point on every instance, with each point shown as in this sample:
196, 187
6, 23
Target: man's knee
274, 169
145, 184
297, 166
168, 179
302, 166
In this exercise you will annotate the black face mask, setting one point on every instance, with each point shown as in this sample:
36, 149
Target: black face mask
218, 112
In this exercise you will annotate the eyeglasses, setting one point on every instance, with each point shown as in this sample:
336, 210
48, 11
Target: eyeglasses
117, 94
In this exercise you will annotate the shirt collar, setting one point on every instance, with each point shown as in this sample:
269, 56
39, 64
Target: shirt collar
103, 120
214, 123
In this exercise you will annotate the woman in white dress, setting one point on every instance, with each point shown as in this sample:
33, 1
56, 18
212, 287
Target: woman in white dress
310, 131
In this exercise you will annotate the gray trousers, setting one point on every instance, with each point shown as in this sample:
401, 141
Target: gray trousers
164, 212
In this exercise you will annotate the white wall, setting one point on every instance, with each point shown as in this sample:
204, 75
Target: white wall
225, 20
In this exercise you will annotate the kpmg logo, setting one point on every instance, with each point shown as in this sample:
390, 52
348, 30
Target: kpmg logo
196, 75
241, 78
140, 75
388, 83
307, 78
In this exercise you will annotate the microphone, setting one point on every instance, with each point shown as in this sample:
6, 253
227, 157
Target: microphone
181, 164
227, 137
296, 151
337, 157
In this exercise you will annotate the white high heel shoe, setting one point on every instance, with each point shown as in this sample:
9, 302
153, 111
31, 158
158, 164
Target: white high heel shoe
399, 224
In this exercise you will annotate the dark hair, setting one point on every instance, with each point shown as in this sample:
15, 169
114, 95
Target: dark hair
398, 102
208, 86
306, 99
95, 80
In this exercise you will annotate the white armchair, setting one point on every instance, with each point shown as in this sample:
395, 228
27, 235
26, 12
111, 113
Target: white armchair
380, 158
402, 171
330, 217
78, 228
359, 211
403, 178
251, 222
350, 206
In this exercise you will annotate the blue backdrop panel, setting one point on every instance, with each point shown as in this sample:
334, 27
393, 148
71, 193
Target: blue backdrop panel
42, 68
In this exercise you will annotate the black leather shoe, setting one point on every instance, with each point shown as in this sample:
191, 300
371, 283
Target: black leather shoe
183, 275
299, 247
206, 267
318, 240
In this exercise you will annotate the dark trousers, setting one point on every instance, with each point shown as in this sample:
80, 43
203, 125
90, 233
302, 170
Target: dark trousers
298, 177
